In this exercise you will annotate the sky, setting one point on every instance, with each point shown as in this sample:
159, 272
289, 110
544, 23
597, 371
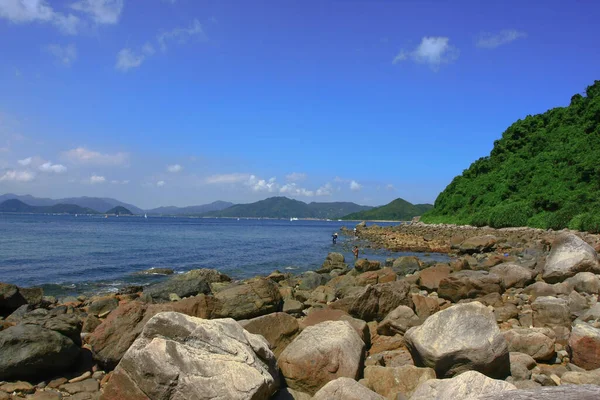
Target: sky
185, 102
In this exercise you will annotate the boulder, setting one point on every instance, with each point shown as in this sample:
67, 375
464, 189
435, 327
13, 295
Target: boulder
320, 354
111, 339
30, 351
377, 301
189, 284
569, 255
581, 378
333, 261
566, 392
512, 275
310, 280
391, 382
406, 265
251, 299
383, 275
429, 278
157, 271
521, 365
398, 321
10, 299
364, 265
321, 295
177, 356
425, 306
33, 296
279, 329
460, 338
345, 389
584, 344
468, 284
468, 385
316, 316
102, 305
551, 312
585, 282
536, 342
478, 244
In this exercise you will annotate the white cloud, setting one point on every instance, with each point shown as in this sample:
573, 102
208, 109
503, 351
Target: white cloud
295, 177
49, 167
160, 183
262, 185
116, 182
101, 11
26, 161
96, 179
325, 190
491, 41
26, 11
355, 186
81, 155
127, 59
174, 168
433, 51
293, 190
64, 54
16, 176
227, 178
181, 34
390, 187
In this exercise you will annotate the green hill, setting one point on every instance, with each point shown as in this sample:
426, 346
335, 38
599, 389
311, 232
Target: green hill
119, 210
17, 206
282, 207
397, 210
544, 172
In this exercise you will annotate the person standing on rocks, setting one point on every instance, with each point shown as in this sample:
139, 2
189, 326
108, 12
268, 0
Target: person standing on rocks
355, 251
334, 237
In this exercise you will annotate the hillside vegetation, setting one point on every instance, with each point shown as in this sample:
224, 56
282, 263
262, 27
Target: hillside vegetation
544, 172
17, 206
397, 210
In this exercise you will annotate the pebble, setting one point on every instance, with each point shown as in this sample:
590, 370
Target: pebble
80, 378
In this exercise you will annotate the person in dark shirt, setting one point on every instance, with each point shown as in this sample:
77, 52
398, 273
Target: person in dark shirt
334, 238
355, 251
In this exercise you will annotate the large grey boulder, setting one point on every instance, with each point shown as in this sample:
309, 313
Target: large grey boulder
460, 338
569, 255
468, 284
191, 283
333, 261
406, 265
469, 385
346, 389
550, 312
399, 320
29, 351
256, 297
278, 328
478, 244
376, 301
563, 392
177, 357
512, 275
320, 354
536, 342
585, 282
10, 299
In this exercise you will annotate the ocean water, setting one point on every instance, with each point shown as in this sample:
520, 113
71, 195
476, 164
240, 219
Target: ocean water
69, 255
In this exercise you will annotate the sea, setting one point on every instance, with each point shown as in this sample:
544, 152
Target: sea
91, 254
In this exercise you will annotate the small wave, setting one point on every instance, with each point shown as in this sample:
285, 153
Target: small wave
291, 268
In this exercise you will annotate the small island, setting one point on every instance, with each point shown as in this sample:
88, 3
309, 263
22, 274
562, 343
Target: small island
119, 210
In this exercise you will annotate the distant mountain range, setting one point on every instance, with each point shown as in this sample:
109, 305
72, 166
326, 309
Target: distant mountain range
397, 210
282, 207
273, 207
17, 206
99, 204
191, 210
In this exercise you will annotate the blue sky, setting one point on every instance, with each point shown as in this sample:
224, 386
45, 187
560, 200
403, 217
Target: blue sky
180, 102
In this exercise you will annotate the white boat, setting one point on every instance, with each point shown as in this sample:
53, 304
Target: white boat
145, 216
293, 219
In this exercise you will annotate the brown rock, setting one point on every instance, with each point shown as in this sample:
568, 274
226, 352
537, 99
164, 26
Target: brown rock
584, 344
278, 328
535, 342
256, 297
429, 278
19, 387
378, 300
391, 382
398, 321
425, 306
363, 265
317, 316
468, 285
345, 389
478, 244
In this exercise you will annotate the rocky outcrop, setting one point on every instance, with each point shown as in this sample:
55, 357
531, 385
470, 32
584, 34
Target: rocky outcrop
584, 343
320, 354
512, 275
31, 351
398, 381
256, 297
406, 265
191, 283
279, 329
364, 265
333, 261
536, 342
377, 301
429, 278
468, 385
178, 356
569, 256
468, 285
461, 338
478, 244
345, 389
13, 297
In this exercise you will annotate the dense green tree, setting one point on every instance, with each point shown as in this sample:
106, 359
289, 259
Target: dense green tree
544, 172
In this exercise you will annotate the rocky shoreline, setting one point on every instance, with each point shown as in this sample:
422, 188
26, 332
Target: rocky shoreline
514, 315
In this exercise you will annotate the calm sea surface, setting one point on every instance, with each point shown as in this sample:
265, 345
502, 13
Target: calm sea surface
87, 254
